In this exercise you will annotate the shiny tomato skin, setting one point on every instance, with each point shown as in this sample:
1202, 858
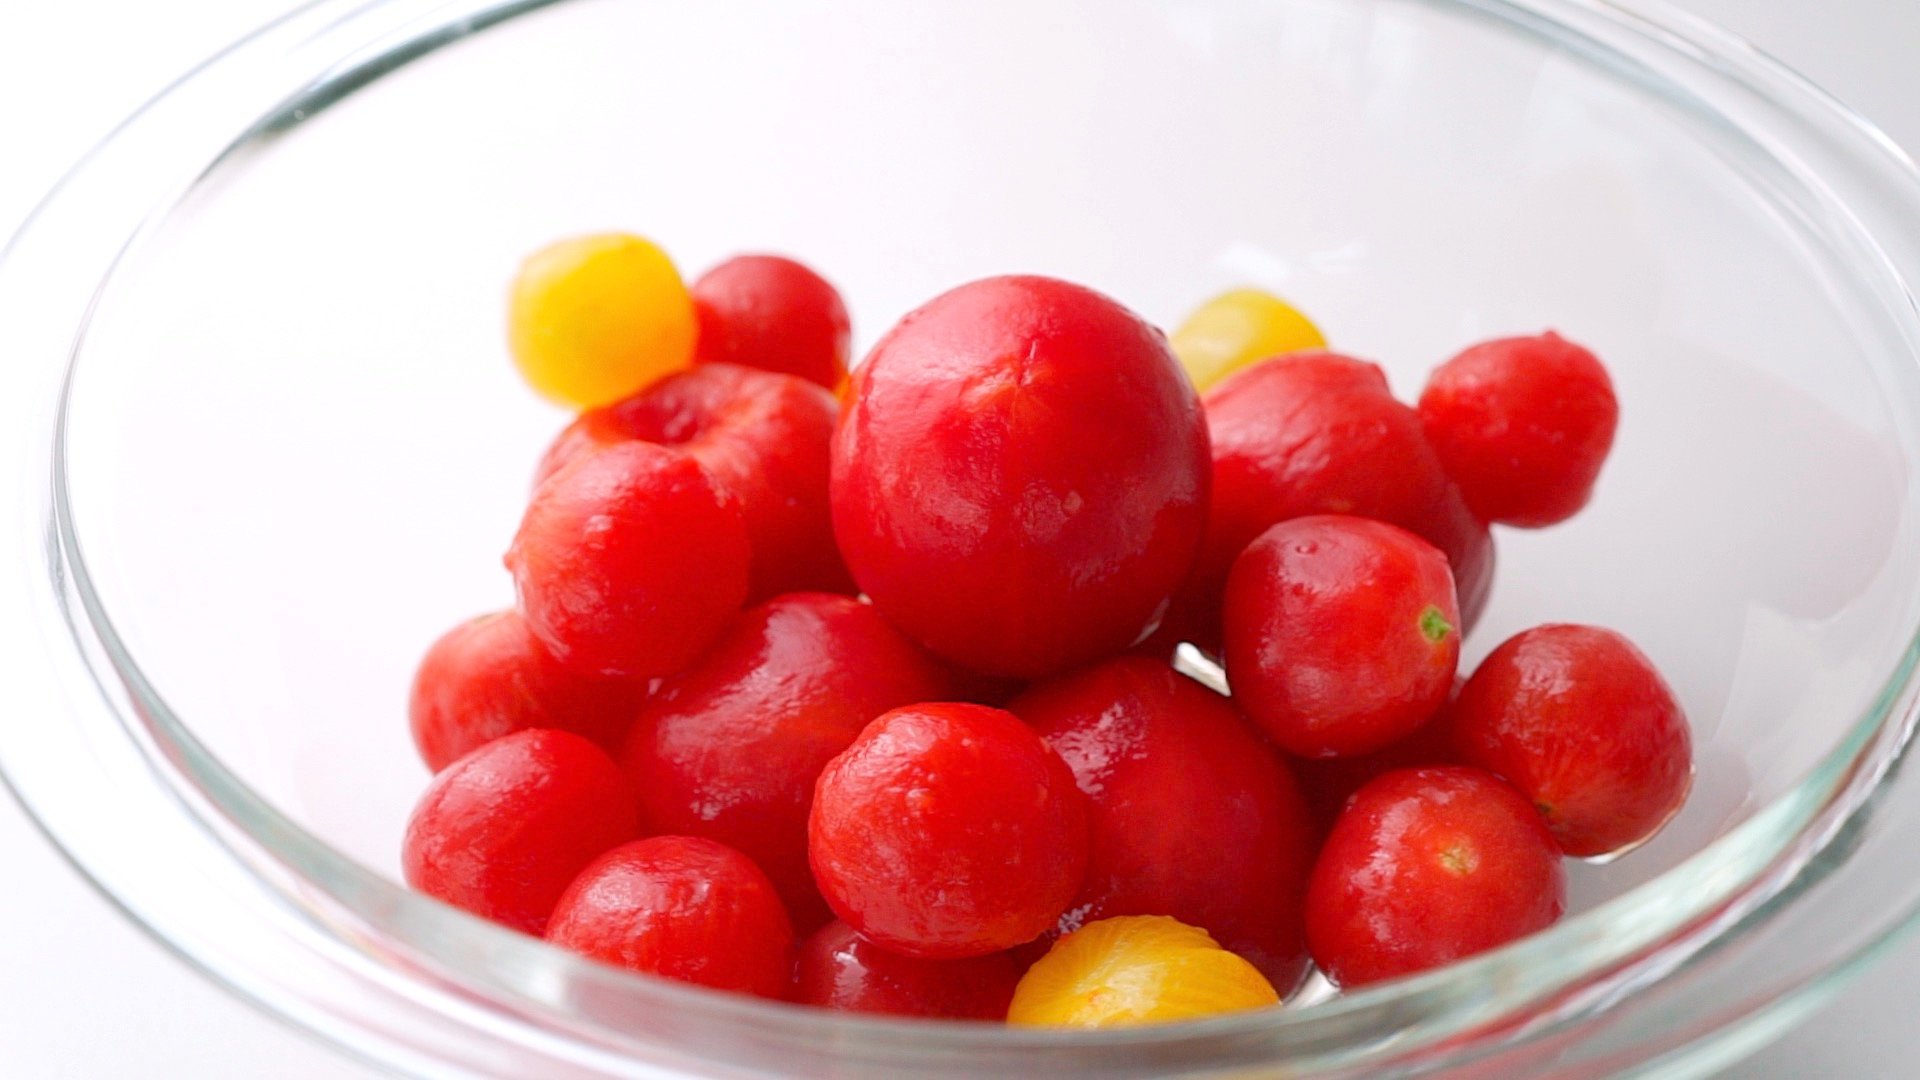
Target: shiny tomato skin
490, 677
761, 435
1342, 634
1312, 433
1190, 814
772, 313
730, 748
948, 830
502, 831
1582, 723
682, 908
1523, 424
1319, 433
1195, 614
1020, 476
836, 968
1428, 866
630, 561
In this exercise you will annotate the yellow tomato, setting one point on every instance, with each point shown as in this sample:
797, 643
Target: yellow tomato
1137, 969
1239, 328
594, 319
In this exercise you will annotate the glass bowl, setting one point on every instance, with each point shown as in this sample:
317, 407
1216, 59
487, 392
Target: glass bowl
270, 446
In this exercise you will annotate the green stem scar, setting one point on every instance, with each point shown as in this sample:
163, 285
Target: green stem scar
1434, 625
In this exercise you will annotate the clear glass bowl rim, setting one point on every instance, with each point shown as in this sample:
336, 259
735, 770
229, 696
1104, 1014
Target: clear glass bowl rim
528, 993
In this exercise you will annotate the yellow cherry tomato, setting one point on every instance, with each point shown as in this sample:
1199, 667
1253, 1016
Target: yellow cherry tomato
594, 319
1239, 328
1136, 969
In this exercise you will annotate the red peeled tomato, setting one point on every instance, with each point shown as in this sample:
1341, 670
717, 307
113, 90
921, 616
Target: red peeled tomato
1320, 433
491, 677
681, 908
763, 436
730, 748
1581, 722
1523, 424
1020, 476
503, 831
836, 968
772, 313
948, 831
1342, 634
1189, 814
630, 561
1428, 866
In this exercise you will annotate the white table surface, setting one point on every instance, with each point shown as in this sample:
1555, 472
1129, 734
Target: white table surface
85, 994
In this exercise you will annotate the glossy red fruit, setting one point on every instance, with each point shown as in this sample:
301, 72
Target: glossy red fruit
1341, 634
1319, 433
502, 831
836, 968
630, 561
1189, 814
1523, 424
1020, 475
763, 436
1196, 615
1428, 866
491, 677
948, 830
730, 748
772, 313
1581, 722
682, 908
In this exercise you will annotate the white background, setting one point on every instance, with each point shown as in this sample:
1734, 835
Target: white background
83, 994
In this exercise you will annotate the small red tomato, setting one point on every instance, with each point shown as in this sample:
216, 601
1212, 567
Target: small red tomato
772, 313
1020, 476
1189, 814
681, 908
503, 830
1340, 634
1580, 722
1195, 617
630, 561
763, 436
1523, 425
1428, 866
1328, 783
948, 830
491, 677
730, 748
836, 968
1319, 433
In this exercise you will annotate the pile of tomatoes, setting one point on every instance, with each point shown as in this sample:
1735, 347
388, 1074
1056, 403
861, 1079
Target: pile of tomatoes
860, 690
